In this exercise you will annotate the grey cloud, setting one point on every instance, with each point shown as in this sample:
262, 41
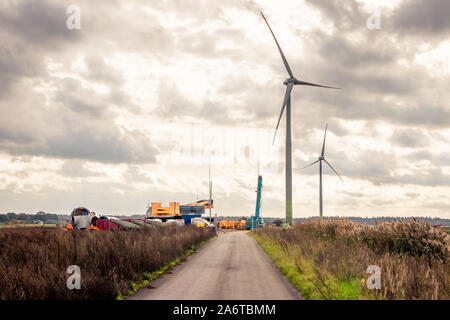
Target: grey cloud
17, 62
410, 138
411, 18
338, 49
420, 155
13, 135
172, 104
102, 144
40, 24
441, 159
354, 194
422, 17
412, 195
431, 178
77, 169
98, 70
339, 130
75, 123
345, 15
87, 141
380, 202
73, 96
363, 67
72, 121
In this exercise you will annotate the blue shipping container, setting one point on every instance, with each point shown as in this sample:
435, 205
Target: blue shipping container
187, 217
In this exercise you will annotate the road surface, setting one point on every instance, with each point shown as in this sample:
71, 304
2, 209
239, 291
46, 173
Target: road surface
230, 267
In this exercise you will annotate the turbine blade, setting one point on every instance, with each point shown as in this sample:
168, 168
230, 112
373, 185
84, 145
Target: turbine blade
324, 138
303, 83
311, 164
288, 69
333, 169
286, 96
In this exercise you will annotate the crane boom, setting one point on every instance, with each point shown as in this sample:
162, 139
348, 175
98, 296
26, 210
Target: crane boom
258, 197
256, 220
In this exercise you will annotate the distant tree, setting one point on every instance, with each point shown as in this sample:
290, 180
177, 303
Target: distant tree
278, 222
11, 216
23, 217
3, 218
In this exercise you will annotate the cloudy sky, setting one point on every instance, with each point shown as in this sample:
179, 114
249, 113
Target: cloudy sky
131, 107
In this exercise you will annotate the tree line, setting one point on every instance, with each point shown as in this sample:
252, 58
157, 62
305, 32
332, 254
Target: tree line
48, 218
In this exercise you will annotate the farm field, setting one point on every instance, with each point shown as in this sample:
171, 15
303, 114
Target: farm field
33, 261
27, 225
328, 259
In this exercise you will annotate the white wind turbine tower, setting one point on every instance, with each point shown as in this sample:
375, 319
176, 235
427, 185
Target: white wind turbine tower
322, 158
289, 83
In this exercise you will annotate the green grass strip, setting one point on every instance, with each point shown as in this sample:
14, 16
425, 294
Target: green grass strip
312, 283
134, 287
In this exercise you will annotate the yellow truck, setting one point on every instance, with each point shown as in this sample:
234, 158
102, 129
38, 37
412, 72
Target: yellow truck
199, 222
226, 224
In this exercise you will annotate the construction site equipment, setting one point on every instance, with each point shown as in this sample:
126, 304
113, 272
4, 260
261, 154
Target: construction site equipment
199, 222
125, 225
157, 210
153, 221
135, 221
240, 225
256, 220
176, 211
104, 223
226, 224
188, 217
81, 218
68, 227
92, 228
180, 222
200, 203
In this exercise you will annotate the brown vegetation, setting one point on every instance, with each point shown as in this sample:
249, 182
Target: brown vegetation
33, 261
413, 256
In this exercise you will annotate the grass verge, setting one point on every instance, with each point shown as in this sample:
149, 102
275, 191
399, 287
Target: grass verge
312, 282
333, 259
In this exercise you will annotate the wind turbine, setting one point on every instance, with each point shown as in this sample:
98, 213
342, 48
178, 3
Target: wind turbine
289, 83
322, 158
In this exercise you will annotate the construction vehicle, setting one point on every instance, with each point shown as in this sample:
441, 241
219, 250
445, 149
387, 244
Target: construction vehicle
226, 224
199, 222
175, 211
240, 225
157, 210
256, 220
83, 219
204, 203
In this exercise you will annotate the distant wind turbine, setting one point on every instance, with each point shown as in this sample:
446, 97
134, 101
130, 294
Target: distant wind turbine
289, 83
322, 158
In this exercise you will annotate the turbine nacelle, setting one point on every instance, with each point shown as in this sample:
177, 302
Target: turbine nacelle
290, 80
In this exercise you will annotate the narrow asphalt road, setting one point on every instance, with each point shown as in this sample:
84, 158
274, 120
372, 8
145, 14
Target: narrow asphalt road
230, 267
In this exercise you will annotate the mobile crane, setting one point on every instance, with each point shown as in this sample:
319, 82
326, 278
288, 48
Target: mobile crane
256, 220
